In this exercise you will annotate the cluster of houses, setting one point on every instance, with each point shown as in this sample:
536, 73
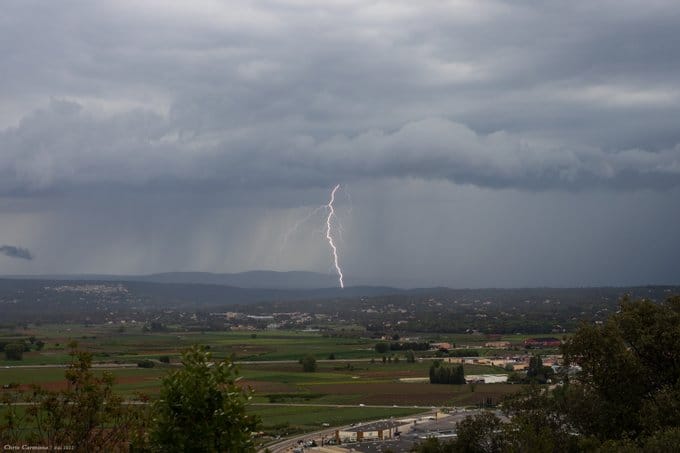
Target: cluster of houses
515, 362
511, 363
237, 321
529, 343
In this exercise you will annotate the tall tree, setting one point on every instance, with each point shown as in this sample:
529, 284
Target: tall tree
410, 356
381, 347
308, 363
627, 391
630, 379
14, 351
201, 408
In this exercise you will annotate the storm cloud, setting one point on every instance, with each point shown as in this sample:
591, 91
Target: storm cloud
298, 94
16, 252
62, 146
212, 113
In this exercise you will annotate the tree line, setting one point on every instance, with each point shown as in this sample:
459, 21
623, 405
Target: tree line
444, 374
382, 347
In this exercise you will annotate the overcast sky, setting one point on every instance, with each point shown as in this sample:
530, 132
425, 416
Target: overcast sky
478, 143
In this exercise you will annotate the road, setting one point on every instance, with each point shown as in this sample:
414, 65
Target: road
287, 445
104, 366
427, 425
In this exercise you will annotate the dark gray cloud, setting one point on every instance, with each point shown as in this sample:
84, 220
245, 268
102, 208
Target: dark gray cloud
211, 111
289, 93
16, 252
63, 147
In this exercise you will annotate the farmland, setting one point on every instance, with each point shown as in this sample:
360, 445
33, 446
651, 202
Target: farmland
352, 381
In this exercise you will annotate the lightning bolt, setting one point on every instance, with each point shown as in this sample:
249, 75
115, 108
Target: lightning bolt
329, 236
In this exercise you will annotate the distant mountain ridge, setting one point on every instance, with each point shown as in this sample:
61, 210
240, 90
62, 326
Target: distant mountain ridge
249, 280
98, 299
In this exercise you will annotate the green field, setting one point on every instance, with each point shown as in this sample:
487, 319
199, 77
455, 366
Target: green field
288, 420
357, 376
289, 377
108, 344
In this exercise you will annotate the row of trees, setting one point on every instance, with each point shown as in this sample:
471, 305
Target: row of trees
463, 353
309, 364
410, 345
443, 374
625, 399
382, 347
200, 408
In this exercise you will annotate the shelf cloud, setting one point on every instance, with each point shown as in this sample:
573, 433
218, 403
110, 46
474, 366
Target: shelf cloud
63, 146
